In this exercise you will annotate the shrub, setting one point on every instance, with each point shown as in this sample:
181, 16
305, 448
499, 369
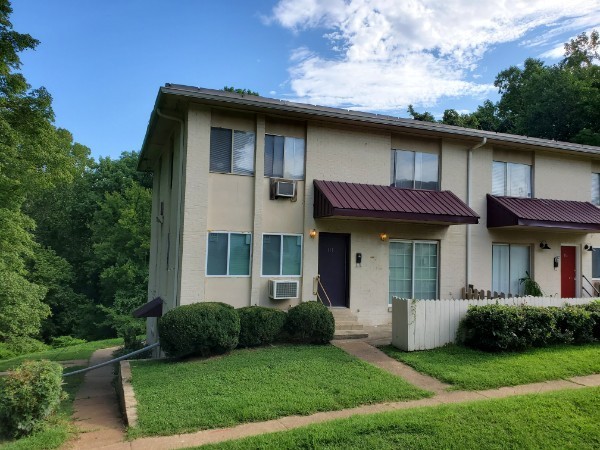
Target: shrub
22, 345
540, 326
259, 325
494, 328
311, 323
5, 352
573, 325
66, 341
131, 343
29, 394
201, 328
594, 310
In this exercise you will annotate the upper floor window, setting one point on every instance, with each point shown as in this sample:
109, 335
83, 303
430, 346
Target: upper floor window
596, 189
228, 254
415, 170
511, 179
232, 151
284, 157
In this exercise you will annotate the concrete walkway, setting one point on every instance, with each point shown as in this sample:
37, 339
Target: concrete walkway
97, 412
103, 416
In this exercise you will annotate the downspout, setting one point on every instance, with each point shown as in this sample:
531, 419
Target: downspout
176, 300
468, 244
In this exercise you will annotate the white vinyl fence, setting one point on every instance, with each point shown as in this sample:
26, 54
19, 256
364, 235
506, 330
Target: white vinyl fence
427, 324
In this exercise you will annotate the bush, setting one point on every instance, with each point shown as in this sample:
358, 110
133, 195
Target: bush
5, 352
259, 325
131, 343
29, 394
594, 310
66, 341
201, 328
311, 323
573, 325
21, 345
510, 328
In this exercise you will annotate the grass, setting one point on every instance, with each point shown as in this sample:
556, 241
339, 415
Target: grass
469, 369
81, 351
256, 385
59, 428
564, 419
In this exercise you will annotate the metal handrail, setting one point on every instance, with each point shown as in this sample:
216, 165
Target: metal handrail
318, 278
596, 291
112, 361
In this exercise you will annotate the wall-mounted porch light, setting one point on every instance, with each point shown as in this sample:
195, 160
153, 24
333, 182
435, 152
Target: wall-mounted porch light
383, 236
544, 245
312, 233
588, 247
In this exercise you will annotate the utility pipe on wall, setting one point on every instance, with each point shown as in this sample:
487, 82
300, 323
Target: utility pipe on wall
469, 183
176, 282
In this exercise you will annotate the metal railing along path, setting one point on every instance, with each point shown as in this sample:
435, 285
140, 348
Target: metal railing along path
112, 361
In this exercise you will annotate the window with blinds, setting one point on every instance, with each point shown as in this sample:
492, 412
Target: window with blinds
284, 157
510, 263
232, 151
282, 254
415, 170
511, 179
228, 254
596, 189
413, 270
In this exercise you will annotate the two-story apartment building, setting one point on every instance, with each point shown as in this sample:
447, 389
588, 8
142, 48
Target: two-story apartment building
256, 199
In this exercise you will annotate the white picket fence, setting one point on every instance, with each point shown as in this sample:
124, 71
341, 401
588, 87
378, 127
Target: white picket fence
427, 324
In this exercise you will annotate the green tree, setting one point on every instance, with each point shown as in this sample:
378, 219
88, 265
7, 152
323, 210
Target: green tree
424, 117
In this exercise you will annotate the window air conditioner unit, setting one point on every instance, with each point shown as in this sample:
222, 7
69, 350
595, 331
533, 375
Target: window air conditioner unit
283, 289
285, 188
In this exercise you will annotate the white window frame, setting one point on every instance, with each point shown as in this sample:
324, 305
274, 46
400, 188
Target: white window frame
228, 233
281, 255
414, 152
595, 174
506, 163
303, 162
509, 245
412, 278
231, 151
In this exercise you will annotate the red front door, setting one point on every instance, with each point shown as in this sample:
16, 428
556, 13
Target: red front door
568, 272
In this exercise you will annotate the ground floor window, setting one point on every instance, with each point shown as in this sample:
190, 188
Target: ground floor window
413, 270
509, 264
228, 254
596, 263
282, 254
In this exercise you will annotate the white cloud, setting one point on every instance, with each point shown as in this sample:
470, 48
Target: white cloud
392, 53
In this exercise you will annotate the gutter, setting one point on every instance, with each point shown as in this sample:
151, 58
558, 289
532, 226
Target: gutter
468, 231
176, 300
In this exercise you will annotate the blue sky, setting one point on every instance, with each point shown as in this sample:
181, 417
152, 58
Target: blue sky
103, 61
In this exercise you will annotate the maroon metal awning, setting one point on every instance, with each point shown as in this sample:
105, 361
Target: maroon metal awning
542, 213
369, 201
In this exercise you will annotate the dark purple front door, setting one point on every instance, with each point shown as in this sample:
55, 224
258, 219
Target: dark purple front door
334, 258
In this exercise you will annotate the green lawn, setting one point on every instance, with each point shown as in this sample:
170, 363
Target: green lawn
256, 385
557, 420
59, 429
81, 351
474, 370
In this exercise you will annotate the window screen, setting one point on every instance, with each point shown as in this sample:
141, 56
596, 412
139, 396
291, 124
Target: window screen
220, 150
511, 179
228, 254
596, 263
282, 254
413, 270
243, 153
596, 188
232, 151
509, 264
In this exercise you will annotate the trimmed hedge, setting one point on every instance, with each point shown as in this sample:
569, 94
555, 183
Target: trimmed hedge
259, 325
594, 310
310, 323
29, 394
204, 329
513, 328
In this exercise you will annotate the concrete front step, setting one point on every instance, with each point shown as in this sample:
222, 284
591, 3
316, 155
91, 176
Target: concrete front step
348, 325
349, 334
